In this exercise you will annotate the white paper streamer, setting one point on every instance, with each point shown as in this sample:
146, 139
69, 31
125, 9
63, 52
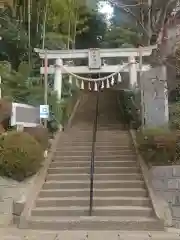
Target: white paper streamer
112, 80
95, 87
102, 85
89, 85
107, 83
77, 82
119, 77
70, 79
82, 84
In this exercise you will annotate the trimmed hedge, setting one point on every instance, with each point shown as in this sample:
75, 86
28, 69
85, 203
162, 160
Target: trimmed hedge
130, 105
174, 110
159, 146
40, 134
20, 155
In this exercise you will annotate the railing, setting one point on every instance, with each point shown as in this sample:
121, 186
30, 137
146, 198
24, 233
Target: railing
92, 157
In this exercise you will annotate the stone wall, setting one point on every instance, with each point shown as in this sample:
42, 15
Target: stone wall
10, 192
166, 183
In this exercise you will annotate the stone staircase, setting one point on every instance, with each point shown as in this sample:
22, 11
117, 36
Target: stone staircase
121, 199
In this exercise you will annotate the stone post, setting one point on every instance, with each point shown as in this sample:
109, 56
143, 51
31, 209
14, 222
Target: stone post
132, 72
58, 78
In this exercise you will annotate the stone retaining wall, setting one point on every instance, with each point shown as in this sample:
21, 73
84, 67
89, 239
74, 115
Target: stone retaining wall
166, 183
11, 192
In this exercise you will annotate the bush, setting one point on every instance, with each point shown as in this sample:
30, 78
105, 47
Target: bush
158, 146
130, 108
174, 110
40, 134
20, 155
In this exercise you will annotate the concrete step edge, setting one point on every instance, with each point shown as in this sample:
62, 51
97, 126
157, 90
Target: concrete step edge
94, 218
98, 190
96, 181
95, 198
99, 208
96, 161
95, 174
97, 167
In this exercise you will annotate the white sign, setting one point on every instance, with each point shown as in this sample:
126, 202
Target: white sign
94, 59
24, 115
44, 111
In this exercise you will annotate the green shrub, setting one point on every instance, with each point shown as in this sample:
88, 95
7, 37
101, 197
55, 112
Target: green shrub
174, 110
158, 146
130, 108
40, 134
20, 155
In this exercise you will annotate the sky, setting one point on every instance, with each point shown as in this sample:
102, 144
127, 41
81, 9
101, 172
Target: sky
106, 8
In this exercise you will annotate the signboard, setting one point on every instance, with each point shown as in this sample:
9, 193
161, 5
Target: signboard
94, 58
44, 111
24, 115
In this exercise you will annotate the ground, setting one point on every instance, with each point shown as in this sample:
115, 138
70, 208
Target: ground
15, 234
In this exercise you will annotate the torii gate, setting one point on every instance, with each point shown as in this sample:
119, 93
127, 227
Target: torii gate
95, 57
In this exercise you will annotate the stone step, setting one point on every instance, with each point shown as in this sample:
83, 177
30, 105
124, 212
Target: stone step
89, 147
109, 146
71, 139
97, 201
111, 135
121, 157
97, 170
96, 223
72, 153
111, 192
97, 151
77, 134
97, 184
113, 138
86, 163
114, 151
116, 170
125, 211
84, 177
89, 143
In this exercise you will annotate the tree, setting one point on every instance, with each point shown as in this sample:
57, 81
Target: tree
151, 18
95, 32
65, 17
122, 36
55, 24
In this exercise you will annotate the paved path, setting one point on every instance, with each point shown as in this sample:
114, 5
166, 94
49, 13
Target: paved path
15, 234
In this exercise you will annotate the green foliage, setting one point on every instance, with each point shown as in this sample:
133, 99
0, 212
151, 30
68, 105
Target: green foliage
95, 31
174, 110
158, 146
14, 43
161, 10
20, 155
123, 36
20, 88
40, 134
130, 108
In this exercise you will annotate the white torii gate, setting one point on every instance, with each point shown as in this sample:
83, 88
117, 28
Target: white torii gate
94, 67
154, 106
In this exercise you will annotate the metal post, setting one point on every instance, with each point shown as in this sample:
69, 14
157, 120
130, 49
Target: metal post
141, 86
29, 33
45, 84
149, 22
